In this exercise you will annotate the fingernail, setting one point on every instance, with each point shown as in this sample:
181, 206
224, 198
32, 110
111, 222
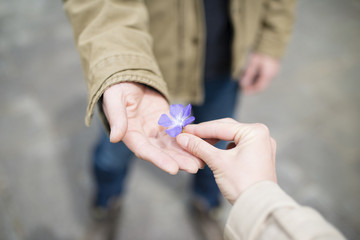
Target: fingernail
182, 140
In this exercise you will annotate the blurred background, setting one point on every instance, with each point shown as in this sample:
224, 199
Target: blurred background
312, 110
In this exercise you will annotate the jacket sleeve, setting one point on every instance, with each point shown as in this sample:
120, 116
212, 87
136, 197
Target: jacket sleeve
276, 27
264, 211
114, 44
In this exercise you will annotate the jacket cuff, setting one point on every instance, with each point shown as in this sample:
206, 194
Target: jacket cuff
271, 45
138, 76
274, 52
252, 208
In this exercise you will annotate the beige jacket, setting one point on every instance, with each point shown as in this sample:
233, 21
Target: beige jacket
161, 43
264, 211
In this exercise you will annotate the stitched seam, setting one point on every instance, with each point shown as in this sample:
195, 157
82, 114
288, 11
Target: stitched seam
101, 62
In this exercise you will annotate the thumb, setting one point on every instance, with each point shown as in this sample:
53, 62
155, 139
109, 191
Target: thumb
197, 147
115, 111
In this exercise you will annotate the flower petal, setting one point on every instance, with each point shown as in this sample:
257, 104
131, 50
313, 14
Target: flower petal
187, 111
188, 121
173, 132
176, 110
165, 121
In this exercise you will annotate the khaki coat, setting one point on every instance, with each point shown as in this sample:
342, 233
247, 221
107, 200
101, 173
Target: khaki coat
265, 212
161, 43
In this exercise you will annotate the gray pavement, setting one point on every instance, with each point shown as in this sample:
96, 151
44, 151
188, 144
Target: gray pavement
312, 110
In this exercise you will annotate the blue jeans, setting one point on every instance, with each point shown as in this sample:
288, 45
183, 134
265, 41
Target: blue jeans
111, 161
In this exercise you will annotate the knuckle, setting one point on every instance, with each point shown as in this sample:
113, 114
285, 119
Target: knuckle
194, 146
261, 128
199, 149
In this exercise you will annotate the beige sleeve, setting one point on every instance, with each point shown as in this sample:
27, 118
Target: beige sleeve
276, 28
114, 44
264, 211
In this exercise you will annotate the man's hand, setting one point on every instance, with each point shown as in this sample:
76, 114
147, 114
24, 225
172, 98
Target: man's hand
250, 158
133, 111
259, 73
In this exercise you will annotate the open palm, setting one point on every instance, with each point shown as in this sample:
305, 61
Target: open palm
133, 111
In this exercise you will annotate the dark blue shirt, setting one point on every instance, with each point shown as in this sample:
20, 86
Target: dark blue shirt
218, 38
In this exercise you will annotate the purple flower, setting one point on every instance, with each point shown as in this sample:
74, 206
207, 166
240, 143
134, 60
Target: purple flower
180, 118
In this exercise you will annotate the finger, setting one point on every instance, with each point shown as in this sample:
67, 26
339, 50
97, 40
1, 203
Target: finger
145, 150
221, 120
202, 165
268, 68
192, 127
249, 75
186, 163
198, 147
263, 81
115, 111
221, 130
